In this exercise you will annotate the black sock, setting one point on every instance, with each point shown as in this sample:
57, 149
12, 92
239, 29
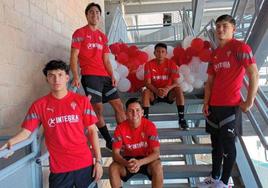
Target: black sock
146, 112
180, 112
105, 133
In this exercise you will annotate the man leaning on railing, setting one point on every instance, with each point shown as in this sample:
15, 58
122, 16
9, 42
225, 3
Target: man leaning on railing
64, 115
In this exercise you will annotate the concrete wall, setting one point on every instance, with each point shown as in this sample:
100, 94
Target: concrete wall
31, 33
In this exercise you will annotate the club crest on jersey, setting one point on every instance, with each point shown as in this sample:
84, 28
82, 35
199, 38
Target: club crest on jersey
89, 37
228, 53
142, 135
73, 105
100, 39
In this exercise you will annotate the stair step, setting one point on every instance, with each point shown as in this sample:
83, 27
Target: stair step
165, 117
179, 172
173, 133
174, 149
166, 185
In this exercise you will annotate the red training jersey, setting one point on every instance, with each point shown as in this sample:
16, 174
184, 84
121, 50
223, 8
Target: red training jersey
91, 45
136, 142
161, 75
64, 121
228, 65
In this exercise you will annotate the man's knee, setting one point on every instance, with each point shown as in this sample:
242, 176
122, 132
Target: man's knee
98, 108
114, 169
156, 168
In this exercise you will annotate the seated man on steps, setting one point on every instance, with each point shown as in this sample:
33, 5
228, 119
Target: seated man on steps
161, 76
138, 139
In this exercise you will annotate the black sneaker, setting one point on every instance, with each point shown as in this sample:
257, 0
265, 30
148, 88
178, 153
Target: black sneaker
183, 125
109, 146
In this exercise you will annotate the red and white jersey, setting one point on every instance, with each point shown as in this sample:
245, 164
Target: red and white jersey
136, 142
92, 45
161, 75
228, 65
64, 121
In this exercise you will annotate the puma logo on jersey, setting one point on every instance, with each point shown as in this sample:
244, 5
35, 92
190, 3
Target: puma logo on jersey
231, 131
129, 137
50, 109
225, 155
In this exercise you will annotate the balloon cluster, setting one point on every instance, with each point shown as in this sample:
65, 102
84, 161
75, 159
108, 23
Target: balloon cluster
128, 66
192, 58
128, 63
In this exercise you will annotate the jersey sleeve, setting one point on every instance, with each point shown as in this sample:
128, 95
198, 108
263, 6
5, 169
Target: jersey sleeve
77, 39
245, 56
117, 138
105, 45
89, 115
153, 135
174, 70
147, 71
32, 119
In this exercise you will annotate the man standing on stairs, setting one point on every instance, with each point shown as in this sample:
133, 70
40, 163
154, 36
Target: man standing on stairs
223, 103
89, 48
136, 148
64, 116
161, 81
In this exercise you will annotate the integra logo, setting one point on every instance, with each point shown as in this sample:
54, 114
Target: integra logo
52, 122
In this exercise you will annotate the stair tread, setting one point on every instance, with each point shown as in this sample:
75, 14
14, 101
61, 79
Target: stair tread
174, 149
180, 171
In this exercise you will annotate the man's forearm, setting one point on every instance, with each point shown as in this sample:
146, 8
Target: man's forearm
94, 140
252, 88
151, 88
119, 159
74, 64
21, 136
150, 158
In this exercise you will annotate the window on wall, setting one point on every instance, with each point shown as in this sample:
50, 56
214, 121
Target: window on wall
167, 19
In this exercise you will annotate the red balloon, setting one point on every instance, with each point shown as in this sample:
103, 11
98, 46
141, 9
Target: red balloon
136, 84
197, 44
123, 47
115, 48
133, 64
122, 58
133, 51
205, 55
178, 51
207, 44
143, 57
190, 52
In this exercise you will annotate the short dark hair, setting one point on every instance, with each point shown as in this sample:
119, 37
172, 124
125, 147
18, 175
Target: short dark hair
160, 45
54, 65
227, 18
90, 5
133, 100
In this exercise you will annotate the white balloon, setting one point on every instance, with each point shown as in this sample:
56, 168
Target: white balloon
184, 69
170, 52
189, 78
140, 72
180, 79
187, 41
113, 64
116, 76
150, 51
204, 77
198, 83
111, 56
190, 88
122, 71
184, 86
124, 85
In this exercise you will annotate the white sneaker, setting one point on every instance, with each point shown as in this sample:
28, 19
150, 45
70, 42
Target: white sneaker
220, 184
209, 182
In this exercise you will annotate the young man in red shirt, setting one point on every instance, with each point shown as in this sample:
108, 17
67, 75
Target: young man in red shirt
222, 102
90, 49
64, 116
161, 81
136, 148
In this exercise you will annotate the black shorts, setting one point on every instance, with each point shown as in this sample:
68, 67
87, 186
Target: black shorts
224, 119
100, 88
81, 178
143, 170
166, 99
